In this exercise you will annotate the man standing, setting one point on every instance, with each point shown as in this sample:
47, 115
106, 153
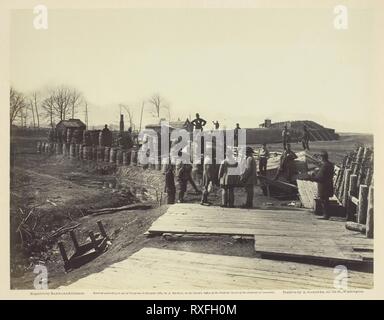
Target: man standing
287, 164
105, 138
182, 179
305, 138
199, 123
208, 178
216, 124
249, 178
236, 135
286, 136
263, 159
227, 183
170, 188
324, 179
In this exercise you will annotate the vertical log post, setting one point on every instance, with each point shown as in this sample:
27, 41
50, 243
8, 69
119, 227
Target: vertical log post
352, 192
369, 225
346, 187
363, 204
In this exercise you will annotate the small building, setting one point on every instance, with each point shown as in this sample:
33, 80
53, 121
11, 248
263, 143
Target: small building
71, 124
70, 131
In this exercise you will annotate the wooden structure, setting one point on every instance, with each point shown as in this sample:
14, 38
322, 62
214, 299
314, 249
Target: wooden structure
353, 182
84, 252
160, 270
277, 233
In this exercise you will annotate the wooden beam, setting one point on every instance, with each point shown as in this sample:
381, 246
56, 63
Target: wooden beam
346, 190
353, 226
369, 232
363, 204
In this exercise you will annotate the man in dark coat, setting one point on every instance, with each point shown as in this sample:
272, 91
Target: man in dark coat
199, 123
249, 177
228, 182
170, 188
285, 134
324, 179
287, 165
305, 138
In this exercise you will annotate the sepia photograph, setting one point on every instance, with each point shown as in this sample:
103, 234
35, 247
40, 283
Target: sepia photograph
192, 148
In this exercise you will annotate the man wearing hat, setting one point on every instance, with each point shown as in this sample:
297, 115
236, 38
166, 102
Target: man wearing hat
249, 178
324, 179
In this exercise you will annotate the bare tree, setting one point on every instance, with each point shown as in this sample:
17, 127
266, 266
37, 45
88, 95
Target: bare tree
61, 101
76, 99
17, 106
159, 103
48, 108
35, 103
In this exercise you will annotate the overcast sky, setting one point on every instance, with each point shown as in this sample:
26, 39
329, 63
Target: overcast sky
231, 65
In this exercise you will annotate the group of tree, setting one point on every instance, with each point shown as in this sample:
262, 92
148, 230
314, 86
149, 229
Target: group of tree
51, 106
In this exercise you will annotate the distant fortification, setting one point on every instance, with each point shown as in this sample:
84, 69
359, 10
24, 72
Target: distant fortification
271, 132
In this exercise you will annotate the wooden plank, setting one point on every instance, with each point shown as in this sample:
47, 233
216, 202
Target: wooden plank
154, 270
307, 193
307, 248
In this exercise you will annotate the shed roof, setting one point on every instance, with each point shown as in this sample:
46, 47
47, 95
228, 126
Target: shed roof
72, 123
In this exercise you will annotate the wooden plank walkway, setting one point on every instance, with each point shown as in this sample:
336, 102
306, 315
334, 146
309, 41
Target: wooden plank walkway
277, 233
154, 270
194, 218
344, 250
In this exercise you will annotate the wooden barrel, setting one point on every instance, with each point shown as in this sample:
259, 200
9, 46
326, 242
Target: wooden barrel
112, 157
119, 157
77, 151
134, 157
128, 155
100, 154
72, 151
59, 148
38, 147
106, 154
94, 153
125, 158
85, 151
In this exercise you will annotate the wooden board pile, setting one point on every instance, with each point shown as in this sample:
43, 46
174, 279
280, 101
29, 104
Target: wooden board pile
354, 189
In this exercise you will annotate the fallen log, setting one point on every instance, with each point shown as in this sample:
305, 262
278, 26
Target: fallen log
62, 230
354, 226
136, 206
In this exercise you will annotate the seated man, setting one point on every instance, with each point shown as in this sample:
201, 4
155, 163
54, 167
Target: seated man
287, 165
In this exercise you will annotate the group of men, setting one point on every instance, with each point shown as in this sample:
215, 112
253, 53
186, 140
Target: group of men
248, 178
305, 137
182, 173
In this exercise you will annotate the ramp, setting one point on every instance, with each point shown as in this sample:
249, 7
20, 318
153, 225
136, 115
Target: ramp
160, 270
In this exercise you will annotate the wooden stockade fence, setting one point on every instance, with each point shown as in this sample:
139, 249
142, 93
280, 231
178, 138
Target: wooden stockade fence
354, 189
112, 155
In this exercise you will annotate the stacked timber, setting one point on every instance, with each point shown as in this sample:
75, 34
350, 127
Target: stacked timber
354, 189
